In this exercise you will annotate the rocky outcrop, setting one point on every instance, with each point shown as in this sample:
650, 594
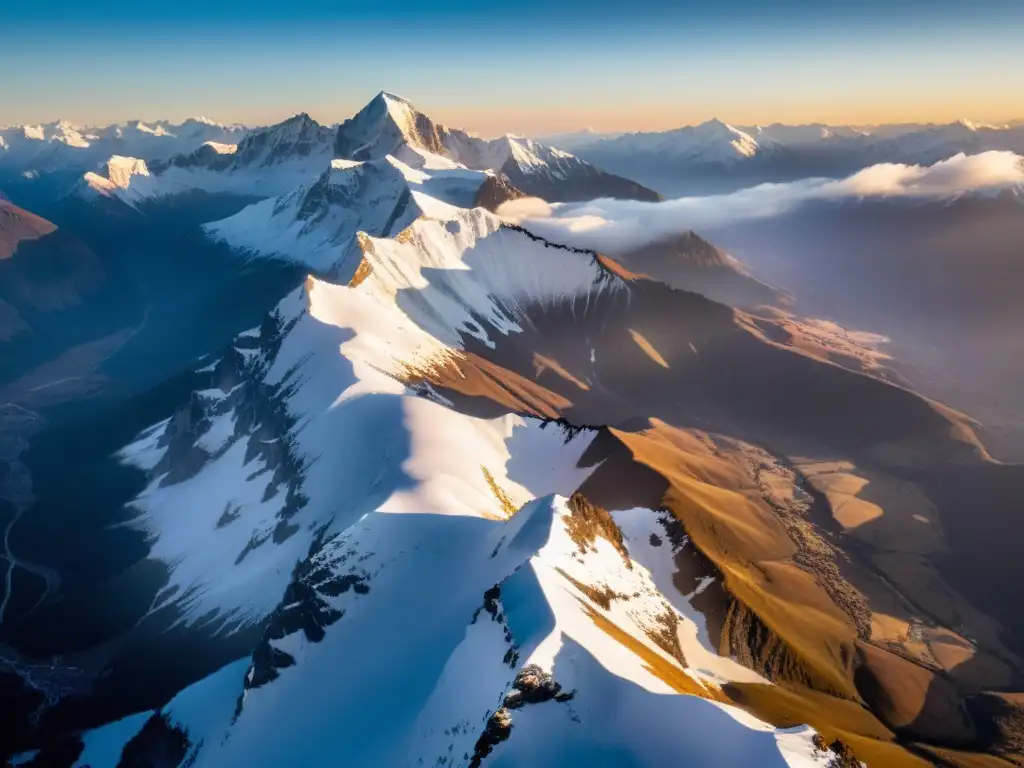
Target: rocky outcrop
160, 744
495, 191
306, 607
531, 686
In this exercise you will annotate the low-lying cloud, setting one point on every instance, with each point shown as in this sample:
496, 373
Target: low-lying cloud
615, 226
957, 175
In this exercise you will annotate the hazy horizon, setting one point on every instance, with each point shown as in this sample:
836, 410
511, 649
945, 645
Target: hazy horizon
468, 119
534, 70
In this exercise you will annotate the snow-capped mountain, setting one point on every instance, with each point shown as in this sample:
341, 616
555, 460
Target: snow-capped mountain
714, 157
939, 142
391, 125
472, 496
317, 224
445, 602
271, 161
708, 143
265, 162
64, 146
799, 135
390, 483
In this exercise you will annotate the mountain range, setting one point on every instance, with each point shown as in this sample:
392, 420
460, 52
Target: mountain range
384, 475
61, 145
717, 157
206, 158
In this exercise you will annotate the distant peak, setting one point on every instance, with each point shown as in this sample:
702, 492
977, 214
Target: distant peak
714, 125
302, 117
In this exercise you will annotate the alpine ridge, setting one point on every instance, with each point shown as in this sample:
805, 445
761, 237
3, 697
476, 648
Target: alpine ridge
273, 160
377, 472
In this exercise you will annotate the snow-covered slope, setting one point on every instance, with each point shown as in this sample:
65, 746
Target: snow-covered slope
316, 224
459, 641
417, 294
430, 587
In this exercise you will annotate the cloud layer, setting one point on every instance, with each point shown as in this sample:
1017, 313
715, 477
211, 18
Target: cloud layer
614, 226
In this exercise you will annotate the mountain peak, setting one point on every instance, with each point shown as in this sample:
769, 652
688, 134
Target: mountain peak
302, 118
717, 127
383, 126
298, 136
387, 96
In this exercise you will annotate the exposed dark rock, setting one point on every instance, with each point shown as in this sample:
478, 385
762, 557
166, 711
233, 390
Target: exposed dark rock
492, 606
534, 686
182, 458
587, 522
160, 744
266, 661
497, 730
305, 608
531, 686
495, 191
842, 753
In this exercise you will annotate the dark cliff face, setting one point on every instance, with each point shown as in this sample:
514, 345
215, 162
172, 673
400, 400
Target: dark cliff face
495, 191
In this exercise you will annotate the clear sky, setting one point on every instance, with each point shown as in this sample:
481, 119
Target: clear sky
532, 66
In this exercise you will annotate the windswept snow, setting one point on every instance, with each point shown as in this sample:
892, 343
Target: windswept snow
450, 276
620, 713
454, 608
317, 223
330, 373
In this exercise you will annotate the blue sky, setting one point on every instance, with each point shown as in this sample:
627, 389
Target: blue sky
530, 66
